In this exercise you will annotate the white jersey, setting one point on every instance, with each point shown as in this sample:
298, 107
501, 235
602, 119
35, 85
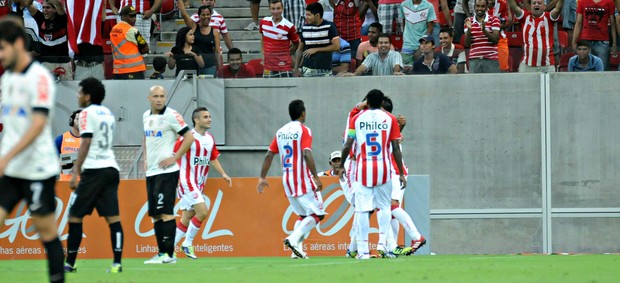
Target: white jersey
195, 163
22, 94
98, 122
160, 131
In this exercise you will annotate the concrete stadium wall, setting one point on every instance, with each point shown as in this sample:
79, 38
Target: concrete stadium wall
517, 162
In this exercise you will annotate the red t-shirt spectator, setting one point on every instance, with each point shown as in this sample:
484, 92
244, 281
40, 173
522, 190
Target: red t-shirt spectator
595, 19
244, 72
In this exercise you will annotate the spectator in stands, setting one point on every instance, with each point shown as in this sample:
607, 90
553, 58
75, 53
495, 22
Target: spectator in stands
369, 12
128, 46
482, 35
418, 18
85, 39
328, 10
385, 62
388, 12
236, 69
280, 41
584, 61
432, 62
444, 19
185, 55
54, 52
206, 38
463, 9
370, 45
294, 11
146, 9
537, 35
341, 59
159, 65
318, 39
348, 22
21, 9
499, 9
254, 8
454, 51
217, 22
592, 22
569, 16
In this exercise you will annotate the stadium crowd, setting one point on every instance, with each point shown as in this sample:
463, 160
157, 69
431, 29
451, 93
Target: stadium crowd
78, 39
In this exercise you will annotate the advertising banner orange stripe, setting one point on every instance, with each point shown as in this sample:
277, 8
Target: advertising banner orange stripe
240, 223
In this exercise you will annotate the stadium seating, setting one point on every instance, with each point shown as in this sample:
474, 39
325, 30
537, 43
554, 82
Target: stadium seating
563, 66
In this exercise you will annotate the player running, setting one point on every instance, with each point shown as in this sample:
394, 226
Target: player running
293, 142
195, 166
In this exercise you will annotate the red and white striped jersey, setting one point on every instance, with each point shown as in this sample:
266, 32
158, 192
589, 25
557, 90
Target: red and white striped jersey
277, 40
374, 130
140, 5
194, 165
354, 112
84, 23
481, 47
290, 142
537, 39
217, 21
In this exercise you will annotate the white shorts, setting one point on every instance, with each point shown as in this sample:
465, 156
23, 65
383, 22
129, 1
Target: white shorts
369, 198
397, 192
189, 199
307, 204
348, 184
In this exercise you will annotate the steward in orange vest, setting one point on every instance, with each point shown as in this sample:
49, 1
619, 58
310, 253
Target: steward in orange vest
67, 143
128, 45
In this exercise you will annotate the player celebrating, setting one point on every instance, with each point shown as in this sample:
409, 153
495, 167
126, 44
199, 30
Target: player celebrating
98, 171
28, 160
194, 170
398, 213
376, 134
161, 126
301, 184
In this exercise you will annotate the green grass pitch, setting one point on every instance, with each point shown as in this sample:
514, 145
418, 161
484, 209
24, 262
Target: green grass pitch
438, 268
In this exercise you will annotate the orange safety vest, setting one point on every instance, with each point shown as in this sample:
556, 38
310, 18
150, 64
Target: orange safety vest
70, 144
127, 57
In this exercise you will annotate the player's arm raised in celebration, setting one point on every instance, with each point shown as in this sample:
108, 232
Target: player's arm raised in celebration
262, 182
311, 165
218, 167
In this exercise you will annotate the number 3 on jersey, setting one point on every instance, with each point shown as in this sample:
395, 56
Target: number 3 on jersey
286, 161
371, 142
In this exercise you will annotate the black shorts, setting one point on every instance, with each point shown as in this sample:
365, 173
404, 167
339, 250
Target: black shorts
98, 188
161, 193
39, 194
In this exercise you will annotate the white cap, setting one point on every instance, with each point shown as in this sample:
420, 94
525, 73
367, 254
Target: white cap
335, 154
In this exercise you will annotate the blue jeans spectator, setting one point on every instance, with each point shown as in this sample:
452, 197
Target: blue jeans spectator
601, 49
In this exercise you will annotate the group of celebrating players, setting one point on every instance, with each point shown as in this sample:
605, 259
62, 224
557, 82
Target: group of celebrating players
371, 170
